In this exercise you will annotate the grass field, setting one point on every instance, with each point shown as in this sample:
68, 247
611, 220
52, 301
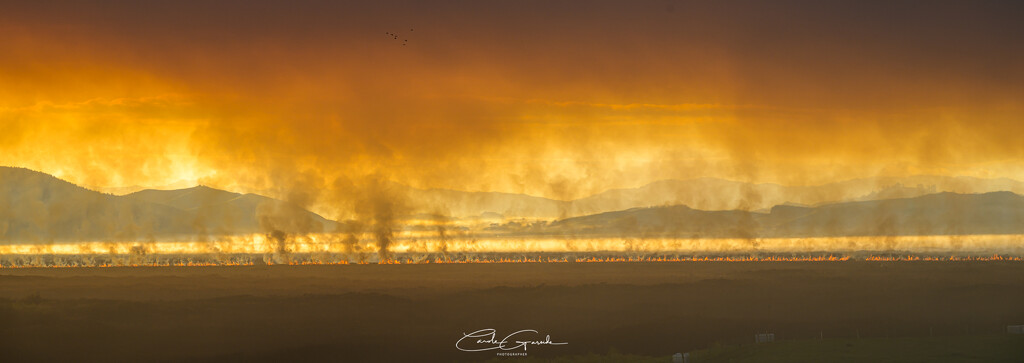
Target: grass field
384, 313
967, 348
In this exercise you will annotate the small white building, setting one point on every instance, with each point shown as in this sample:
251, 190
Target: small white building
1015, 329
764, 337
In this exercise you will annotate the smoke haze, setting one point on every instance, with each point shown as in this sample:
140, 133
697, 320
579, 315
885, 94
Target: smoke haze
500, 98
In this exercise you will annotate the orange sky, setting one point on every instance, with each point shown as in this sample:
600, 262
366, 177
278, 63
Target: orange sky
558, 99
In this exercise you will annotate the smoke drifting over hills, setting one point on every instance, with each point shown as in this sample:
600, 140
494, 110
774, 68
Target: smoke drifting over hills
501, 120
496, 97
40, 208
211, 180
49, 222
931, 215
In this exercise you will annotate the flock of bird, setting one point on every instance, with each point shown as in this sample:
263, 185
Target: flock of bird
395, 37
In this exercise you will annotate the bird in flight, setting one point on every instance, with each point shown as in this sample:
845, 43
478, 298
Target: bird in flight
394, 36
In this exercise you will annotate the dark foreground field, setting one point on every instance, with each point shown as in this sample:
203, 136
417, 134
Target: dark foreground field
418, 312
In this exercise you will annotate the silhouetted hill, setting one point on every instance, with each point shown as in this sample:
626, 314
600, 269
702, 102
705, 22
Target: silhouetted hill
933, 214
720, 194
472, 204
699, 193
37, 207
221, 212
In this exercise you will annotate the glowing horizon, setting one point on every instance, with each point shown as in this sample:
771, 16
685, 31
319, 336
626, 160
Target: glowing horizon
328, 249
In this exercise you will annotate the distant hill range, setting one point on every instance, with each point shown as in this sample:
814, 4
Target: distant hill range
698, 193
934, 214
702, 194
37, 207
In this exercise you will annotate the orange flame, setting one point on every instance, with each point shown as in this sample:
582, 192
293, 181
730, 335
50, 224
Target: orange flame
542, 259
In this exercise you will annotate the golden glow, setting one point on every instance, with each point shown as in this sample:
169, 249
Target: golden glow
333, 249
317, 107
108, 102
37, 263
424, 243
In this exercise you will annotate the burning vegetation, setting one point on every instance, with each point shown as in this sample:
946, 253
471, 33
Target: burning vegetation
440, 247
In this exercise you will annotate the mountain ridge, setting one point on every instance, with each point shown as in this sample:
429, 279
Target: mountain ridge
38, 207
945, 213
705, 193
